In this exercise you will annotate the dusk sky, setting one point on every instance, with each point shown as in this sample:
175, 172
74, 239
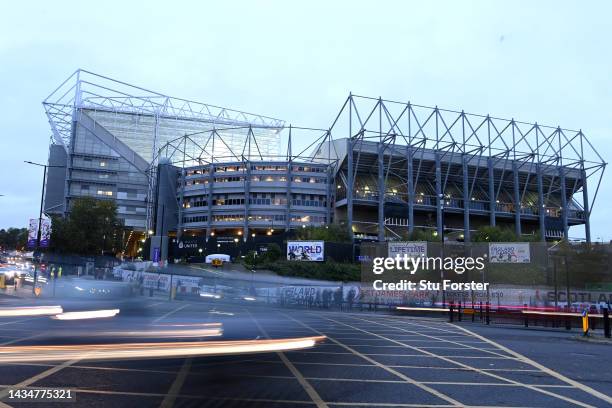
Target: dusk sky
548, 62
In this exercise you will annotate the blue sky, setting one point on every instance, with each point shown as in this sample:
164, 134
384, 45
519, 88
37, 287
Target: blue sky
548, 62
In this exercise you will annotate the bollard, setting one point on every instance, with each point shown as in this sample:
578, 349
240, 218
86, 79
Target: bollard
481, 311
459, 311
606, 319
585, 322
450, 312
487, 314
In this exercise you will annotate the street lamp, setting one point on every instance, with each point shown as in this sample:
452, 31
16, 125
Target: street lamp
42, 198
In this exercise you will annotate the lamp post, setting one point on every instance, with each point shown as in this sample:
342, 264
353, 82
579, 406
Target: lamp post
42, 199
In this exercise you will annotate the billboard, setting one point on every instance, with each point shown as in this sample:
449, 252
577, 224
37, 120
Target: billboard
32, 232
306, 251
410, 249
509, 252
45, 233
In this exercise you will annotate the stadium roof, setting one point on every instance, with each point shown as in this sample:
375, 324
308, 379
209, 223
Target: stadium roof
85, 89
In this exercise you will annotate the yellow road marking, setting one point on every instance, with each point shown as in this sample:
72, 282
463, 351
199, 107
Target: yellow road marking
312, 393
176, 386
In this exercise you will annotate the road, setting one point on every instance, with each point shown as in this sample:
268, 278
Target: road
367, 360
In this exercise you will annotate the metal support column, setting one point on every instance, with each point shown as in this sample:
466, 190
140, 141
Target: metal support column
381, 192
410, 192
466, 200
209, 199
492, 200
247, 194
328, 205
563, 202
439, 226
349, 187
517, 199
289, 194
179, 228
541, 206
586, 208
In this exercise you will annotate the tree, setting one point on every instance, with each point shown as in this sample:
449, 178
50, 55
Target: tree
91, 228
329, 233
490, 233
273, 252
13, 238
429, 235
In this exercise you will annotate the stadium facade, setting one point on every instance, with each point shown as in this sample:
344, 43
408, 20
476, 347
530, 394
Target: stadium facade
178, 168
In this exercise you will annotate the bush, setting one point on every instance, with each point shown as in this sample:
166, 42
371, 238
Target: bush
332, 271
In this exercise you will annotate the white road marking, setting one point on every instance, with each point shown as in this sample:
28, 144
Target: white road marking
407, 379
448, 359
539, 366
160, 318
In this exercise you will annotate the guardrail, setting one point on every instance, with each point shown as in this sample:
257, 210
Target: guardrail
487, 314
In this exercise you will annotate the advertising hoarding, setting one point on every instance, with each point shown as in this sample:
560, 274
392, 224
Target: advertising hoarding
411, 249
509, 252
306, 251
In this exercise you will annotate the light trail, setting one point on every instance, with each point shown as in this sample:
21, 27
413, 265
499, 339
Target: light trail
196, 330
422, 309
30, 311
210, 295
118, 351
87, 314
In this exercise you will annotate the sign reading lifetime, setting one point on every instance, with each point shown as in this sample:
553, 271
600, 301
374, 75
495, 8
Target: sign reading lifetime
310, 251
410, 249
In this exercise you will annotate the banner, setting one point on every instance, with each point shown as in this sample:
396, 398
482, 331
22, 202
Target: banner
317, 294
306, 251
509, 252
45, 233
32, 232
410, 249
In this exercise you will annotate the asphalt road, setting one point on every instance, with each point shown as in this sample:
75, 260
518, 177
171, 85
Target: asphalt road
368, 360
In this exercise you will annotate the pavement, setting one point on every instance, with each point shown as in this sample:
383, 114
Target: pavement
367, 360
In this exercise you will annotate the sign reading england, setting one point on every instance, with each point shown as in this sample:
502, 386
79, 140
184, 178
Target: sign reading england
306, 251
509, 252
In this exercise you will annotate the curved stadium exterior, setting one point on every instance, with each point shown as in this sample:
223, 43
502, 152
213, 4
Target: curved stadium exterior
183, 170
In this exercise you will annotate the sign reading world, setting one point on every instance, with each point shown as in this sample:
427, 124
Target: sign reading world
410, 249
306, 251
509, 252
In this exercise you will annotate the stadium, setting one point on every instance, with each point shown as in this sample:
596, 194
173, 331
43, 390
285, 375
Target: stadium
194, 176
